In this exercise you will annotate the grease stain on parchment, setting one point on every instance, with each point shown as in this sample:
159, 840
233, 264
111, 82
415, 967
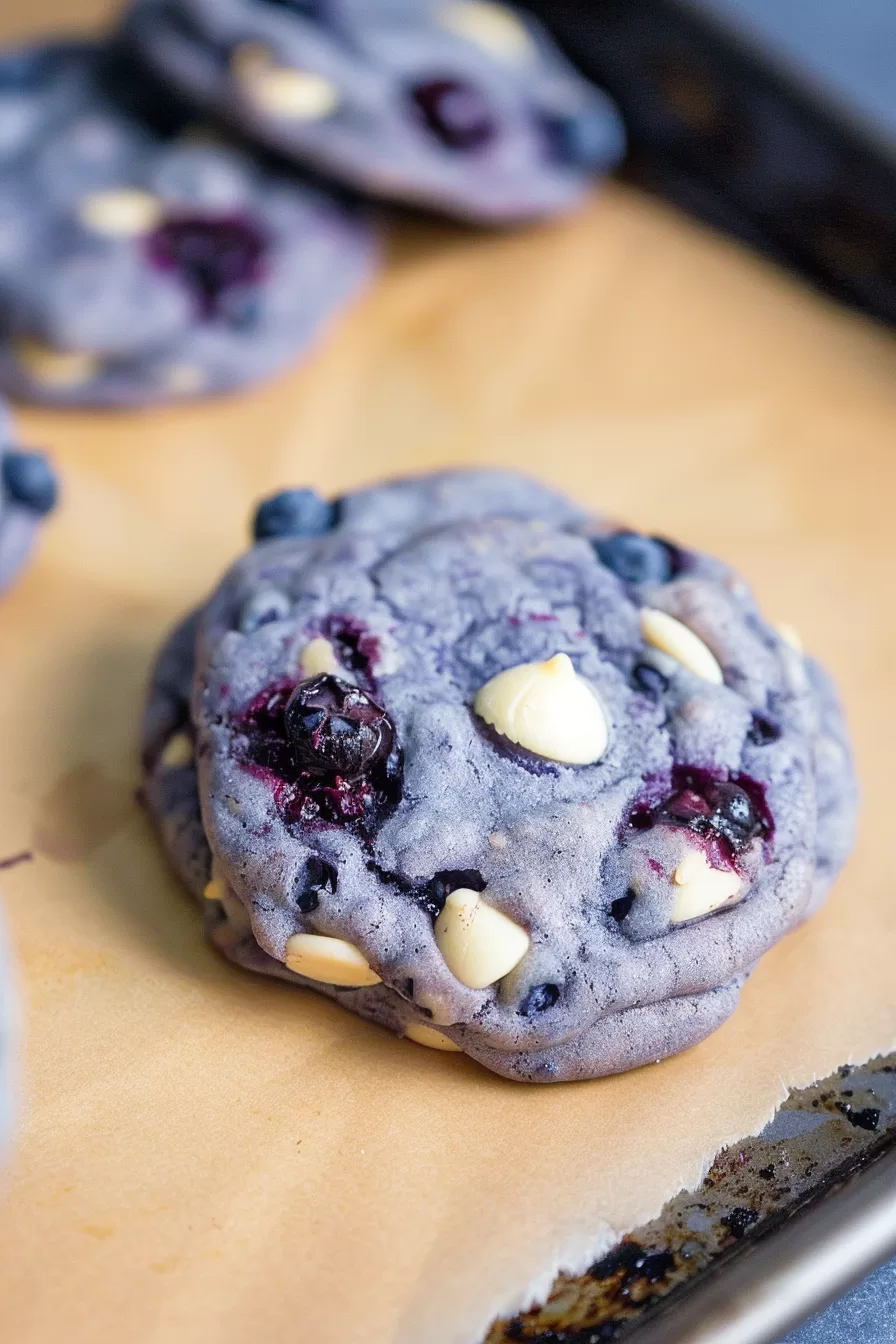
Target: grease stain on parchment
84, 809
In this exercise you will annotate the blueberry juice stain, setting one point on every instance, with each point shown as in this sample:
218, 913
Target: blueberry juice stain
326, 750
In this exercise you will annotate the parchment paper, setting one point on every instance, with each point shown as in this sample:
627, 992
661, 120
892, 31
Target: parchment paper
211, 1158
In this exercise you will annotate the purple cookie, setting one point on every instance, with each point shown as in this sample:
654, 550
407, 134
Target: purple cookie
461, 105
495, 774
28, 491
143, 259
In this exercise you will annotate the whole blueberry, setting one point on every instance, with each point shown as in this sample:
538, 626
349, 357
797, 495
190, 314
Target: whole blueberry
592, 138
539, 999
29, 480
210, 255
457, 113
635, 558
293, 513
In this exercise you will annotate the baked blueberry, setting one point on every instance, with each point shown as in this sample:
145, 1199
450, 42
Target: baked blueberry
622, 905
539, 999
29, 480
462, 106
293, 513
635, 558
335, 729
558, 923
456, 113
28, 492
649, 680
762, 730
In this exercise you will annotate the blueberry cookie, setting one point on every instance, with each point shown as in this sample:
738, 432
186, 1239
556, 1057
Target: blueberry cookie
462, 105
494, 773
142, 259
28, 491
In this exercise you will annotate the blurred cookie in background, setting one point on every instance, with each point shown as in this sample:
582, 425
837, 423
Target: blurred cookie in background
464, 106
28, 492
142, 258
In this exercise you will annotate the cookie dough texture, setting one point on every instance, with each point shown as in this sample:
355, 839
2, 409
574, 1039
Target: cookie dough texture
425, 589
143, 258
463, 106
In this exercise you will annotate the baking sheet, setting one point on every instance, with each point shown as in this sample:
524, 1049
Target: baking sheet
211, 1157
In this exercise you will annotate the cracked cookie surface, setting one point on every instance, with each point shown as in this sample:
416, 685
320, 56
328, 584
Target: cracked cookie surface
321, 774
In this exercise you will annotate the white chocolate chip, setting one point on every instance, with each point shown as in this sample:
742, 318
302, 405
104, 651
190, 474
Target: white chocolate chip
423, 1035
56, 368
791, 636
493, 27
702, 888
124, 212
278, 90
215, 890
546, 708
177, 752
662, 631
318, 658
333, 961
479, 944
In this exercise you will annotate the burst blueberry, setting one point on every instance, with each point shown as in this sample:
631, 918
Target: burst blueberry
211, 255
456, 113
29, 480
294, 513
635, 558
336, 729
762, 731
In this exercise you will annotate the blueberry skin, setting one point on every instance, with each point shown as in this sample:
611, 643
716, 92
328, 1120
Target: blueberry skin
29, 480
635, 558
294, 513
